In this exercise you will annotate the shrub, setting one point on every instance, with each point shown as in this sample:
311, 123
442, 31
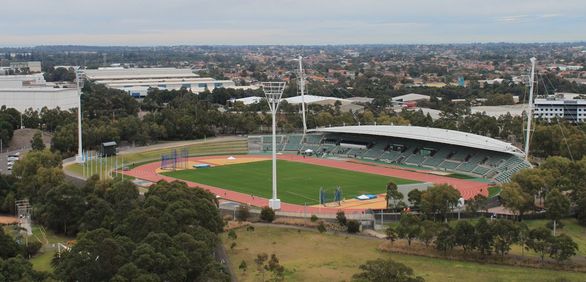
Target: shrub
32, 248
243, 266
250, 228
321, 227
232, 235
242, 213
314, 218
353, 226
233, 245
341, 217
267, 214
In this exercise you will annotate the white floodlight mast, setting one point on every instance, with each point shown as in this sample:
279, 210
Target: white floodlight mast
79, 158
273, 92
302, 88
530, 111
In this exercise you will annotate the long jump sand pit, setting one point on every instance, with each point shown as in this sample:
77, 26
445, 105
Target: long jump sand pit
234, 160
8, 220
377, 203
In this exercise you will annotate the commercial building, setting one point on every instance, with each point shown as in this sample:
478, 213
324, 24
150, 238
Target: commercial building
137, 81
31, 67
571, 110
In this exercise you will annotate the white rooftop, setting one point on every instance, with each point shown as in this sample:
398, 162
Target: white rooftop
429, 134
410, 97
496, 111
309, 99
137, 73
313, 99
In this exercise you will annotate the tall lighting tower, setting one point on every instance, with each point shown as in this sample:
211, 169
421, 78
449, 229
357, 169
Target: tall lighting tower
530, 110
302, 88
79, 158
274, 91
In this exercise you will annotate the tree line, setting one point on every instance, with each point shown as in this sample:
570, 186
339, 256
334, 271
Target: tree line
113, 115
167, 234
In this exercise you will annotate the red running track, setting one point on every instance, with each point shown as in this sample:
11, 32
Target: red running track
468, 189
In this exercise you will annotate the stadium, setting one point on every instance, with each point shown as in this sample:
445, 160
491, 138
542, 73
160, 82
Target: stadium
346, 167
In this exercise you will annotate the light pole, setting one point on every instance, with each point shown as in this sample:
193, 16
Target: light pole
530, 109
79, 158
273, 92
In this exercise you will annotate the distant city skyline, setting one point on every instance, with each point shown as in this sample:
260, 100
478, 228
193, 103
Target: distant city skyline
287, 22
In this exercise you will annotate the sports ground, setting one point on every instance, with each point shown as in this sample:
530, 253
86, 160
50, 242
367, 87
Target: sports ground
247, 179
298, 183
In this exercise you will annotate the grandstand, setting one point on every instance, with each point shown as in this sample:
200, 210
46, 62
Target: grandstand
427, 148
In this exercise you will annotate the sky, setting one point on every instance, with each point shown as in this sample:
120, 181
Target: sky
300, 22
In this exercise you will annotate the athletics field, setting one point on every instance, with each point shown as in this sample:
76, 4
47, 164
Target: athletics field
298, 183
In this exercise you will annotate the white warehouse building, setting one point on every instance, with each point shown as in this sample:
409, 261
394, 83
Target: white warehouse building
24, 92
37, 98
137, 81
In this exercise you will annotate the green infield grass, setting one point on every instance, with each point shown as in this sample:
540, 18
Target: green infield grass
298, 183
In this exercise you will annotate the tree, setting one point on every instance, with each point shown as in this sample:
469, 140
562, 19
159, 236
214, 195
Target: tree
393, 197
260, 261
515, 199
506, 233
267, 214
341, 218
465, 235
414, 197
8, 247
37, 142
429, 230
562, 248
484, 237
478, 203
409, 227
353, 226
386, 270
439, 199
446, 239
540, 240
557, 205
392, 234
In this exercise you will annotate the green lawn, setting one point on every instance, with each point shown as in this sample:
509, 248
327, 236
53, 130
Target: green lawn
494, 191
311, 256
210, 147
42, 261
298, 183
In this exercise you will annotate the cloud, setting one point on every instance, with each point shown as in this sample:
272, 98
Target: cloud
155, 22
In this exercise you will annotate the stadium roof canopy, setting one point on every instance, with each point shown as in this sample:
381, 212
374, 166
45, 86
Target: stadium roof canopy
429, 134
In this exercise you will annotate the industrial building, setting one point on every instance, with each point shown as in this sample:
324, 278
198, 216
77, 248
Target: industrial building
37, 98
31, 91
137, 81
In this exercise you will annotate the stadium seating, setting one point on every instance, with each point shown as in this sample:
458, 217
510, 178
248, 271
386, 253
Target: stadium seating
293, 143
475, 162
